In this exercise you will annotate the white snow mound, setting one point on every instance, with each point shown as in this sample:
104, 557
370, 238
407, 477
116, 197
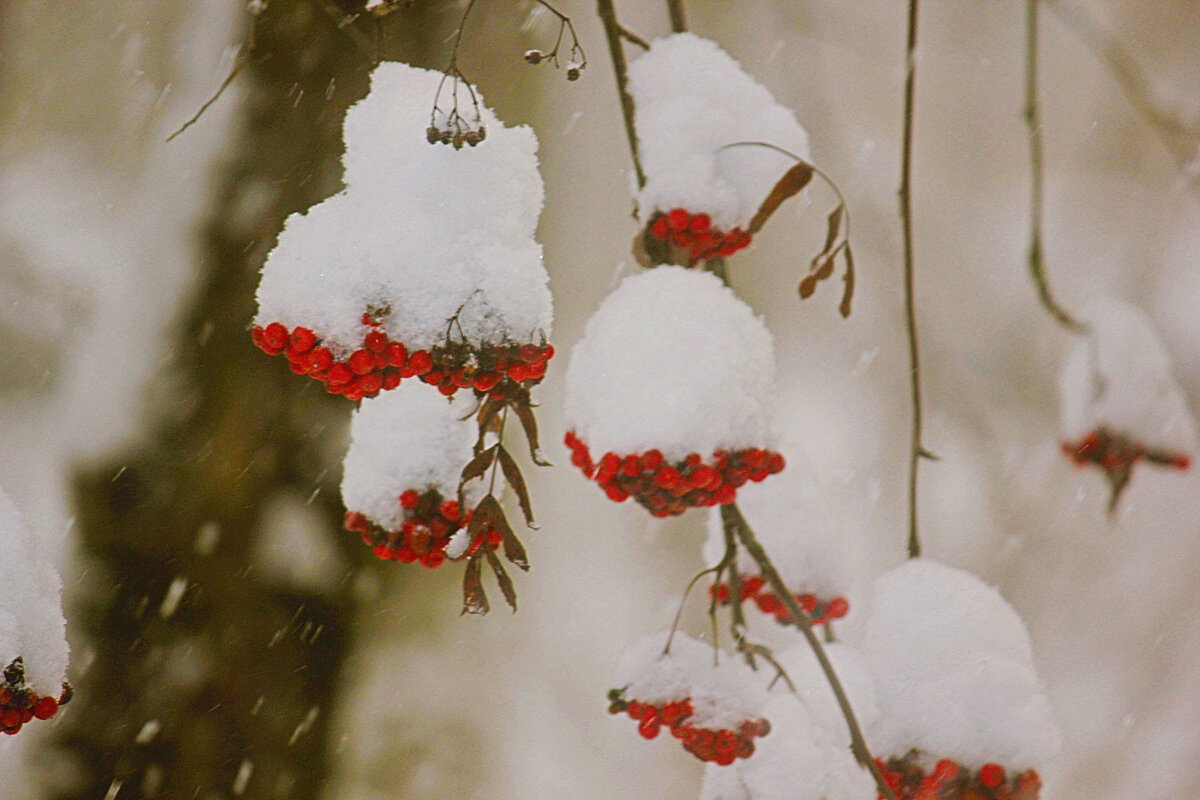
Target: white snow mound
1118, 376
723, 695
672, 359
953, 672
422, 235
692, 101
31, 620
408, 438
799, 760
813, 549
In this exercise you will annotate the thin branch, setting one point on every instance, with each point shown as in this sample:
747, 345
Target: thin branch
678, 21
916, 450
1180, 138
242, 60
732, 517
633, 38
612, 28
1036, 265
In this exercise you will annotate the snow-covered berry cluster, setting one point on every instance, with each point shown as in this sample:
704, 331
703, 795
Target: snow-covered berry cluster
500, 371
721, 746
669, 488
430, 521
680, 237
752, 588
1115, 453
19, 703
949, 780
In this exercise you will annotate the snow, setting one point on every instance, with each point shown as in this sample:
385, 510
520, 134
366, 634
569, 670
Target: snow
814, 549
953, 672
673, 360
423, 234
31, 621
813, 687
799, 760
1118, 376
723, 694
408, 438
693, 99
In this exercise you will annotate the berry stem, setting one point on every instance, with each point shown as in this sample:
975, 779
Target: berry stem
731, 517
612, 29
1037, 268
678, 20
916, 450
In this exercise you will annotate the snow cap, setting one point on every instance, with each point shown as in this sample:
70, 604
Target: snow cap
432, 241
1118, 376
813, 549
693, 99
31, 619
953, 672
408, 438
672, 359
723, 695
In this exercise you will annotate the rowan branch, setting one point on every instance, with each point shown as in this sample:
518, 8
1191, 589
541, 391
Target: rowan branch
612, 29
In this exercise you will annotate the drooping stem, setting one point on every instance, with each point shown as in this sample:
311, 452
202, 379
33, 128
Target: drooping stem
1037, 267
678, 21
612, 30
916, 449
731, 517
1181, 139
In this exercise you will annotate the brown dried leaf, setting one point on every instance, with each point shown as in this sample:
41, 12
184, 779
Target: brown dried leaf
474, 598
848, 279
478, 465
514, 551
502, 578
808, 285
512, 474
488, 413
792, 182
529, 424
834, 227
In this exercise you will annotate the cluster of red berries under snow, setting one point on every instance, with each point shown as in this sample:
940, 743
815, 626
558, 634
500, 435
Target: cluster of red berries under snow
694, 102
389, 280
20, 703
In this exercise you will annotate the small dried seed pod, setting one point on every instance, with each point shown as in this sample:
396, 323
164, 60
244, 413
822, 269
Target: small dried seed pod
534, 56
432, 134
472, 138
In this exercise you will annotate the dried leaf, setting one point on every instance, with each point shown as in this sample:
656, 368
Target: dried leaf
478, 465
808, 285
822, 266
514, 551
474, 598
529, 423
792, 182
512, 474
502, 578
834, 227
848, 278
487, 417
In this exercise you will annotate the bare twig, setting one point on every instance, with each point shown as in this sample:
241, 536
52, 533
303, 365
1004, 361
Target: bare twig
916, 449
732, 517
612, 29
633, 38
1180, 138
242, 59
678, 21
1036, 265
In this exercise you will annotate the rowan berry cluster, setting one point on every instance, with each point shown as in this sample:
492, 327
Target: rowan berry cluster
722, 746
949, 781
691, 237
751, 588
668, 489
1113, 452
429, 522
501, 371
19, 703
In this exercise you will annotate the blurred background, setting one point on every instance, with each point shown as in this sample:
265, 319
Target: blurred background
229, 639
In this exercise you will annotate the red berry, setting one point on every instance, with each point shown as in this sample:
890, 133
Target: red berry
391, 380
838, 608
518, 372
679, 219
667, 477
45, 707
276, 336
776, 463
320, 359
396, 354
361, 362
420, 362
433, 558
652, 460
486, 381
945, 770
991, 775
375, 341
409, 498
661, 229
700, 223
632, 466
303, 340
340, 374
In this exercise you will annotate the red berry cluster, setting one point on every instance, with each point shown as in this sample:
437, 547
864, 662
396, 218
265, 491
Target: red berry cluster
1113, 452
721, 746
949, 781
820, 611
19, 704
668, 489
429, 522
501, 371
693, 238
